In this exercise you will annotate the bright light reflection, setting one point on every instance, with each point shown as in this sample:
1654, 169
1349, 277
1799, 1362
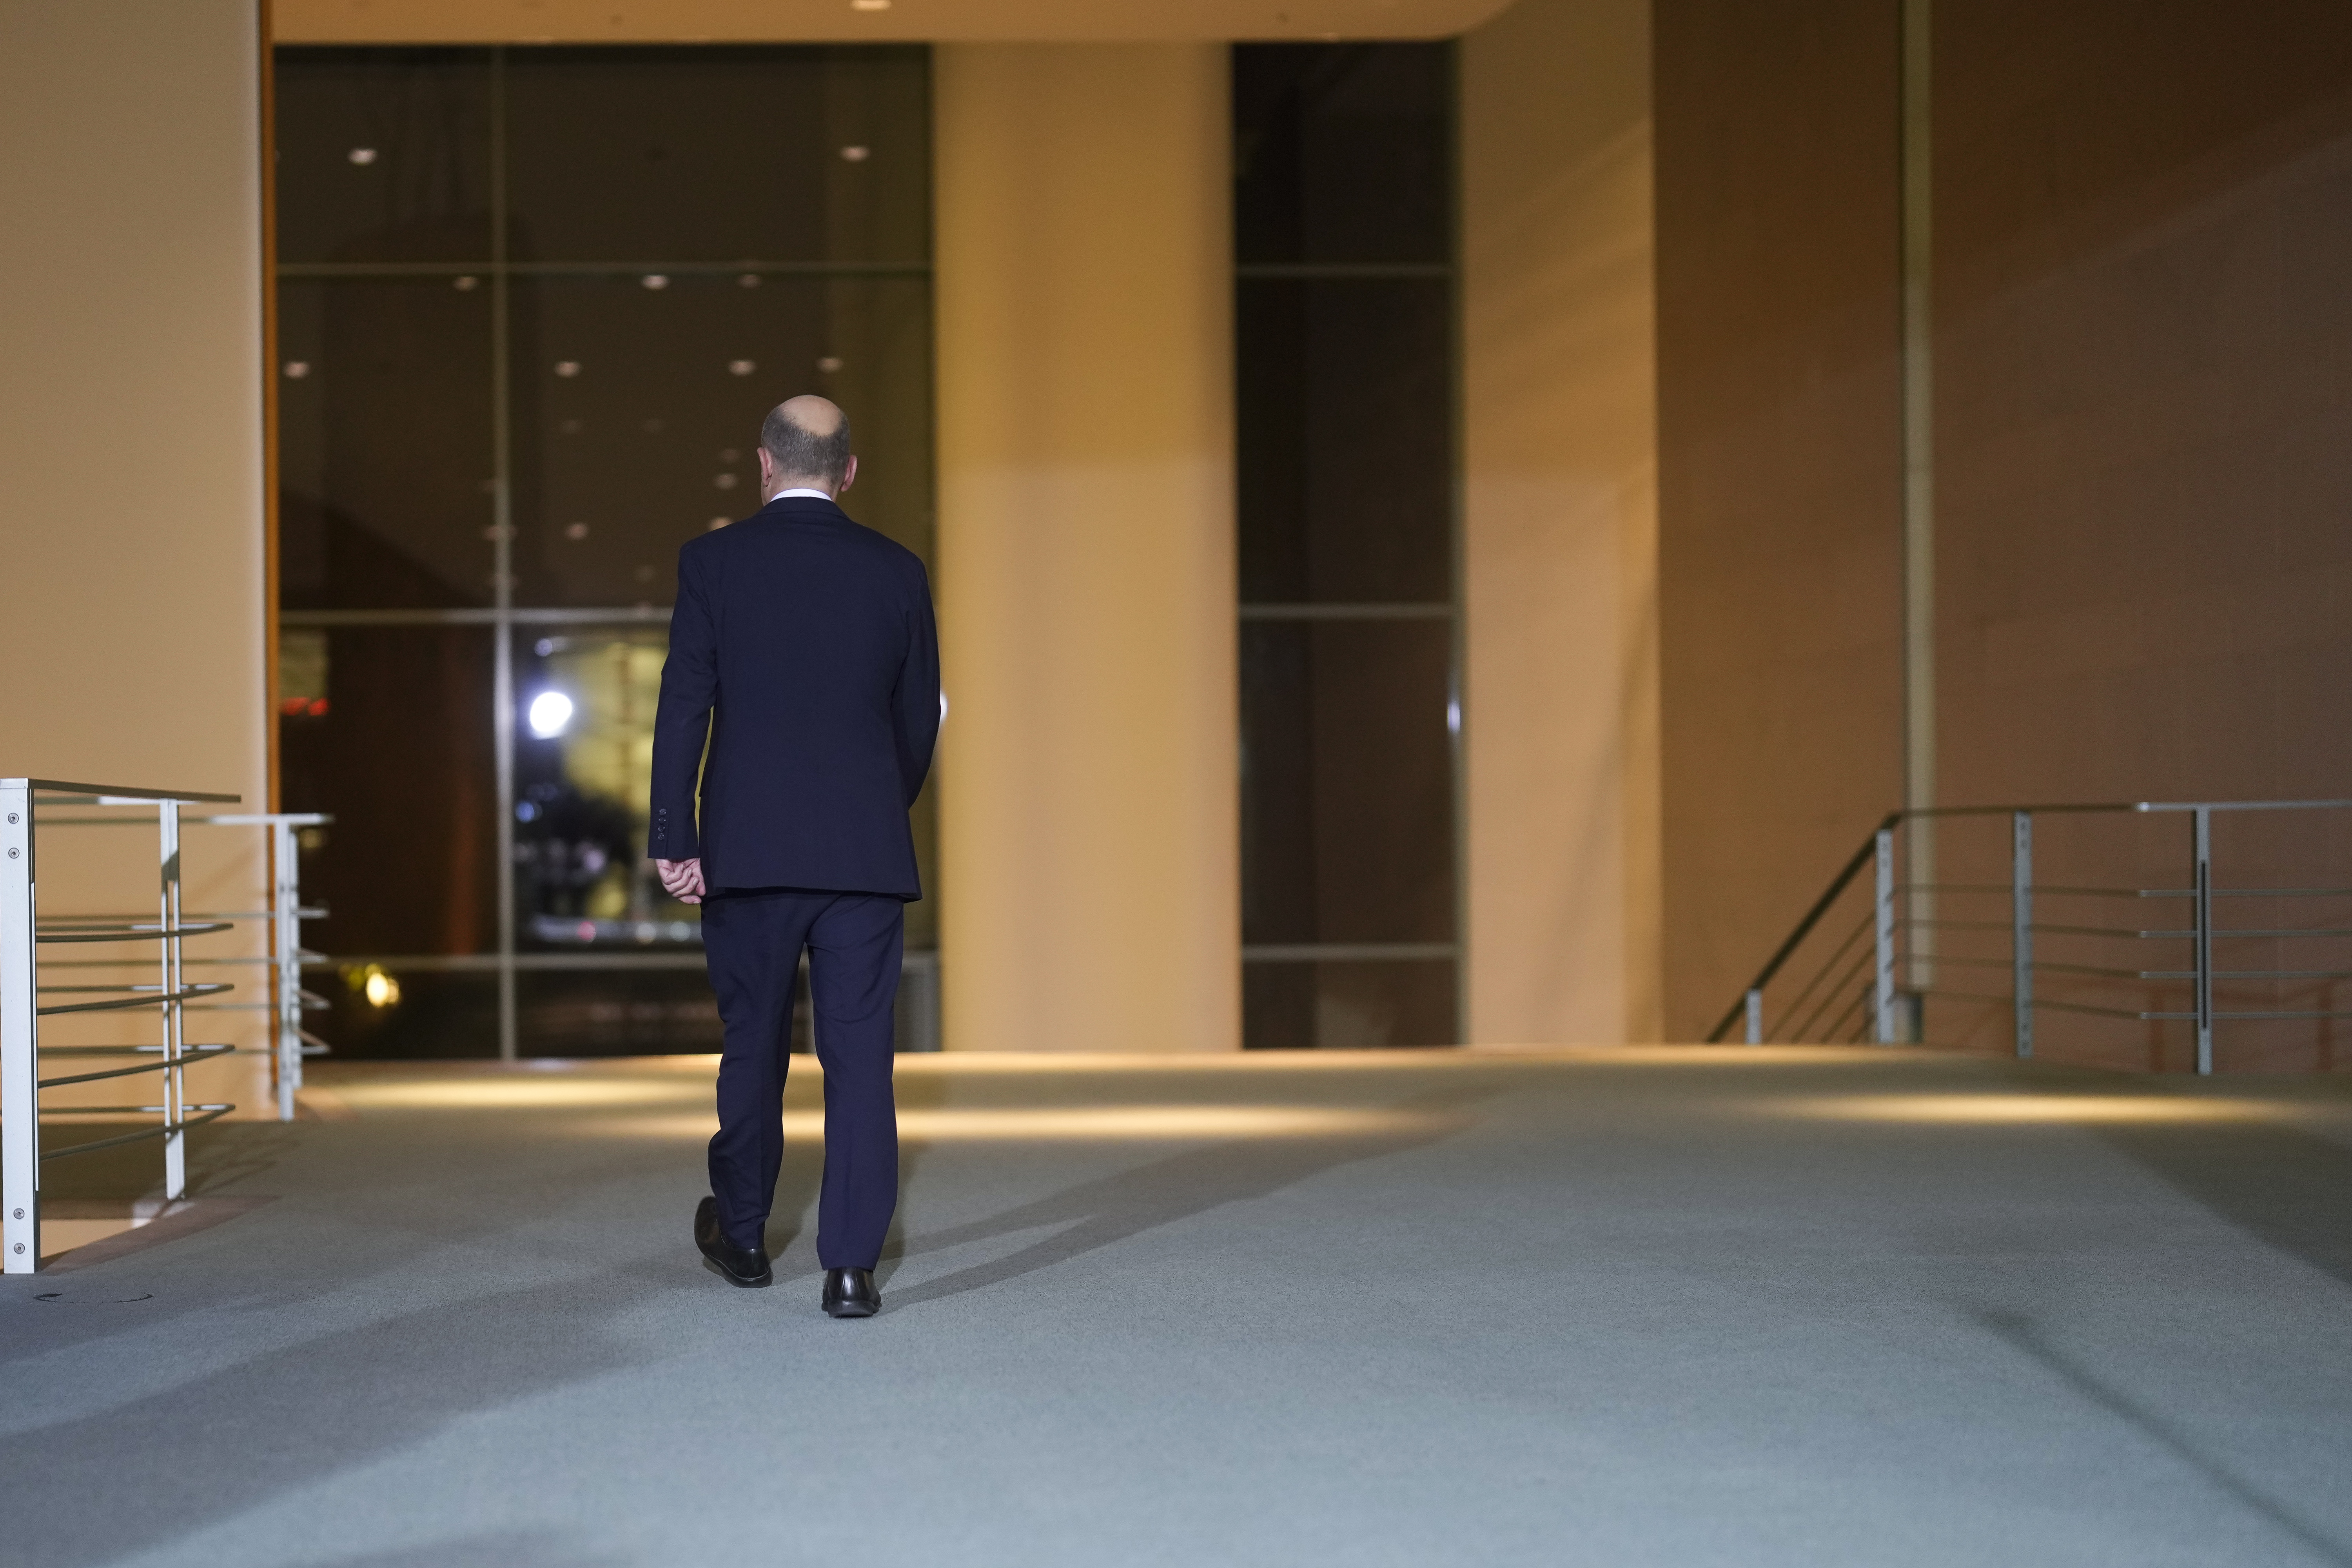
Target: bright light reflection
1107, 1123
550, 713
1982, 1109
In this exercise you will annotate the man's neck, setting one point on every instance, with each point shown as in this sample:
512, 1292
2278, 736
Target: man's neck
809, 490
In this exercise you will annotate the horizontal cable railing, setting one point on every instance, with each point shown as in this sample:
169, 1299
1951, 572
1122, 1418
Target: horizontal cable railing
34, 949
1889, 937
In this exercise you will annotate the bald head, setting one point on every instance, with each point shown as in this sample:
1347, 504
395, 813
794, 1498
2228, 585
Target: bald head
806, 442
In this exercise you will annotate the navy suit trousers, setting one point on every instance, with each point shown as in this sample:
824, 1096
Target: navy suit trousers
753, 942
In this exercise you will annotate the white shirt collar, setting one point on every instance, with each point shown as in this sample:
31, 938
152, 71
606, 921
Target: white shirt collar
779, 495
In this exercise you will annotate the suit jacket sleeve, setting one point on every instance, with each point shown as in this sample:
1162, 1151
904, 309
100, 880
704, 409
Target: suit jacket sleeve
917, 700
689, 688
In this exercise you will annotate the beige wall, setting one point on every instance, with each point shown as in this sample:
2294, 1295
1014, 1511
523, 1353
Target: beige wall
1561, 524
1780, 470
1088, 837
130, 405
2144, 432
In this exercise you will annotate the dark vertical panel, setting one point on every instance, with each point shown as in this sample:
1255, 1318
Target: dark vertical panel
1347, 782
1344, 394
1345, 406
721, 154
398, 751
382, 155
384, 443
1347, 1006
1343, 152
638, 411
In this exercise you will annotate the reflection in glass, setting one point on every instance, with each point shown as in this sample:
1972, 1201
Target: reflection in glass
618, 1012
1347, 1006
1347, 782
582, 880
383, 154
384, 457
637, 430
1345, 431
433, 1013
397, 746
720, 154
1342, 152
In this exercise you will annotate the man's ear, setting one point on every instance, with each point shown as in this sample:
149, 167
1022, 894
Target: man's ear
848, 473
766, 469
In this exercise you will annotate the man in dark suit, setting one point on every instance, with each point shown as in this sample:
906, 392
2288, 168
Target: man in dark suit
802, 649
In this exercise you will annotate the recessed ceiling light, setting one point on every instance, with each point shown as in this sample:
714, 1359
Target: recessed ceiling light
576, 531
855, 154
741, 366
362, 156
567, 368
724, 481
869, 5
748, 280
655, 280
467, 285
829, 364
717, 522
296, 369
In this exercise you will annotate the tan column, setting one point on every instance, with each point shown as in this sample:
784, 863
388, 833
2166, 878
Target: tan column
1560, 525
1089, 819
131, 608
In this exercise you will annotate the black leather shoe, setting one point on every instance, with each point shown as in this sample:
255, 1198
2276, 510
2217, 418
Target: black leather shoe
850, 1293
745, 1265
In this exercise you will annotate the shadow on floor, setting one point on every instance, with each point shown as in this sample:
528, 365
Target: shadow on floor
1096, 1214
90, 1490
2022, 1336
2287, 1187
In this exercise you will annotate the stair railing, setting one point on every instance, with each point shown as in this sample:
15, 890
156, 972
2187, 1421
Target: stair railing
1847, 974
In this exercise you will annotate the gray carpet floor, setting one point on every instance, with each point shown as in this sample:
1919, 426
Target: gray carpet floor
1647, 1307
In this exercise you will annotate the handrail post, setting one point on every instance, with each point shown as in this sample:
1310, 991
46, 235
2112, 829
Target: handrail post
176, 1142
1882, 995
2203, 938
20, 1127
2020, 926
1754, 1004
286, 940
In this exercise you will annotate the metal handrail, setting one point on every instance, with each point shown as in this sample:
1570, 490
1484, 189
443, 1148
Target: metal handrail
1898, 912
25, 802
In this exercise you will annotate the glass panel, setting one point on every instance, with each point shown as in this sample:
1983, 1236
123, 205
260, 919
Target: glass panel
383, 154
407, 1012
1347, 782
1345, 424
637, 416
1344, 1006
384, 444
399, 751
584, 755
1342, 152
622, 1012
720, 154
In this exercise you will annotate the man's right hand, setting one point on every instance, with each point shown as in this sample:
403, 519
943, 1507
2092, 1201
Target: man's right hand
682, 879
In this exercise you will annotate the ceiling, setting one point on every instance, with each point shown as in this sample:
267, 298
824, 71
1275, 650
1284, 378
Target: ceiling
833, 21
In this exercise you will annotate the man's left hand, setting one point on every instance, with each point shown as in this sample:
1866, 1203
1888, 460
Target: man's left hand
682, 879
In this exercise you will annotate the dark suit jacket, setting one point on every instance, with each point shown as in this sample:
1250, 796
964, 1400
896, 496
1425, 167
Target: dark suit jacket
811, 639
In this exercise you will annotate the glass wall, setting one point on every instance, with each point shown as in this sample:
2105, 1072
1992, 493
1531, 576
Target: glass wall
532, 305
1350, 714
